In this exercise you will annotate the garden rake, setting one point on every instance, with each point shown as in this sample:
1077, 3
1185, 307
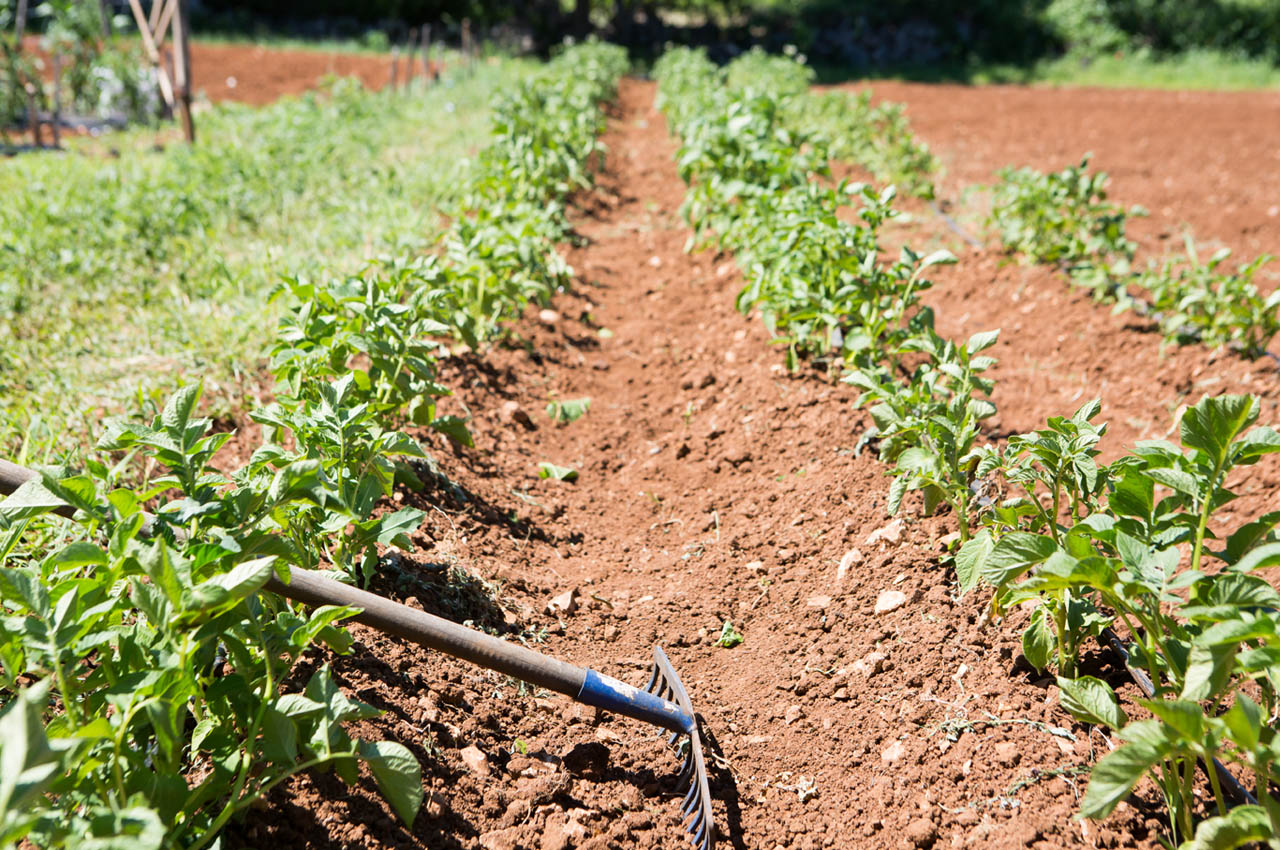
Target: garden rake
663, 701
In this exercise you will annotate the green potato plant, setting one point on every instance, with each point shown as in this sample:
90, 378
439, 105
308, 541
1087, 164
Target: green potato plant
927, 425
159, 666
1195, 302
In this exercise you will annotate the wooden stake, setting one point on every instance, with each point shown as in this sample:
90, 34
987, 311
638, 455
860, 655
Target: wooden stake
426, 53
161, 29
409, 50
33, 117
466, 40
57, 100
182, 67
22, 22
153, 53
395, 68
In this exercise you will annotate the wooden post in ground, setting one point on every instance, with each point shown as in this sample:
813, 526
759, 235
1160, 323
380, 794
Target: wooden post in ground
33, 120
182, 67
33, 116
161, 28
409, 50
152, 49
426, 54
57, 100
395, 68
466, 41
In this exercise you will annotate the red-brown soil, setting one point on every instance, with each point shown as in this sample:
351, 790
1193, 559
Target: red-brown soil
253, 74
1201, 160
257, 74
714, 486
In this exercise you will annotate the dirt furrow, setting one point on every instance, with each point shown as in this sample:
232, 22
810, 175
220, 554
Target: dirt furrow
865, 706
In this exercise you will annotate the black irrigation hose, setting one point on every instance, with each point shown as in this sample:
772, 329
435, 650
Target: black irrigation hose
953, 225
1236, 793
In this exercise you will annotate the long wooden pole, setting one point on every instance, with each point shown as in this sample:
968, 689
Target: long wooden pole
153, 53
57, 100
409, 49
161, 28
21, 26
426, 53
182, 67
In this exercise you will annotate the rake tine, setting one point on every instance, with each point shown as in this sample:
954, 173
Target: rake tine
697, 802
653, 680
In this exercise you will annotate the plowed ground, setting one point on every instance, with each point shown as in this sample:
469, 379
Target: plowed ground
715, 486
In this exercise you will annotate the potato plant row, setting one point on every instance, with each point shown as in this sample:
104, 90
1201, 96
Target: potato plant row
1136, 545
150, 689
1065, 218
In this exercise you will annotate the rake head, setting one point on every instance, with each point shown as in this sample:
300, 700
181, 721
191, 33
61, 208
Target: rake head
696, 809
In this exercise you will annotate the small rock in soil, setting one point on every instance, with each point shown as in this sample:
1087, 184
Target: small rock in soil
476, 760
853, 556
870, 665
561, 833
563, 604
890, 533
793, 714
890, 600
548, 317
754, 566
501, 839
922, 832
818, 601
892, 753
1008, 754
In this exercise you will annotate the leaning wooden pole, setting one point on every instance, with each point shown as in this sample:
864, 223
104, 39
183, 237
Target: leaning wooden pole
152, 50
182, 68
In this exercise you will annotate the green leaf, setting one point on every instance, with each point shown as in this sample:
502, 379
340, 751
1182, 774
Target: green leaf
1014, 554
559, 473
1267, 555
1174, 479
971, 558
1244, 722
232, 586
280, 737
1208, 669
1114, 776
82, 554
394, 529
1242, 826
27, 764
568, 410
1091, 700
177, 412
1212, 424
1249, 535
455, 428
31, 499
398, 774
982, 341
1038, 640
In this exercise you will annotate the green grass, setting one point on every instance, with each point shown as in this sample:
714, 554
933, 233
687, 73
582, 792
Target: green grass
370, 45
121, 277
1195, 70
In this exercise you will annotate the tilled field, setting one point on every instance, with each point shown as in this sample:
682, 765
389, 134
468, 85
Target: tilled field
866, 706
